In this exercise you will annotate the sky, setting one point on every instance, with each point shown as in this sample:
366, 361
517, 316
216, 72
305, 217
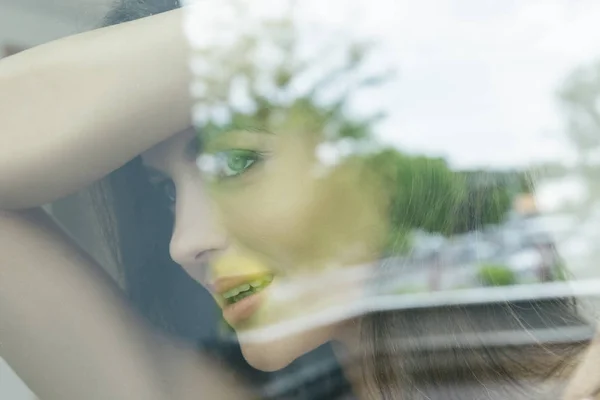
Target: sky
478, 78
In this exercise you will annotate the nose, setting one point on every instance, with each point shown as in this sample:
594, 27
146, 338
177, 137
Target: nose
197, 235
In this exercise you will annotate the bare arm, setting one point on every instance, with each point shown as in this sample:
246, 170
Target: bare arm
73, 110
67, 332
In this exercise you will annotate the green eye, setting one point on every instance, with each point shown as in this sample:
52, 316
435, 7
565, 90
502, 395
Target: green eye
238, 162
229, 163
232, 163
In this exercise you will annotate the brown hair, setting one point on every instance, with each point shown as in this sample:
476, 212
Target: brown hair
416, 353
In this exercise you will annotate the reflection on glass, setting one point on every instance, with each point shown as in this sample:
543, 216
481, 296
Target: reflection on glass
376, 199
329, 220
368, 185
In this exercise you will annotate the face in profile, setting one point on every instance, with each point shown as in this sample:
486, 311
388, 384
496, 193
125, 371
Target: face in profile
269, 230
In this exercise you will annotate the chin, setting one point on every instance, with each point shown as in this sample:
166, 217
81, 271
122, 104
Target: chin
264, 357
275, 355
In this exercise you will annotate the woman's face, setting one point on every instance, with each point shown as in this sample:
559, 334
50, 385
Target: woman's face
262, 225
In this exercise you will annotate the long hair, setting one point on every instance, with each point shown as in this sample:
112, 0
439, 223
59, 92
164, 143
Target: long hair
395, 363
418, 354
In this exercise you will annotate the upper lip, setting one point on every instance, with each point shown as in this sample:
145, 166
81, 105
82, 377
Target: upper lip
223, 285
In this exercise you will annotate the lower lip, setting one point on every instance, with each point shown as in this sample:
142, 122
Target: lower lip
242, 310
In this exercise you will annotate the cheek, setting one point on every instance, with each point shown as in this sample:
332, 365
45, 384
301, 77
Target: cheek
290, 214
304, 220
275, 205
280, 214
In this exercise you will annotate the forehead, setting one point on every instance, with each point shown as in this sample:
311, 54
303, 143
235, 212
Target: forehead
182, 144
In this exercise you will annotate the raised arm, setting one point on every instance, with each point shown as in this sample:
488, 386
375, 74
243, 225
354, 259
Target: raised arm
73, 110
67, 332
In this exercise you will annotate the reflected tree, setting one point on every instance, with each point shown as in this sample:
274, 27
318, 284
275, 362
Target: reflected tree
265, 78
580, 99
258, 74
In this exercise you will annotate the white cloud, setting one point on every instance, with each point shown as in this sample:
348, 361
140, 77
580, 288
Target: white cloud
478, 81
477, 78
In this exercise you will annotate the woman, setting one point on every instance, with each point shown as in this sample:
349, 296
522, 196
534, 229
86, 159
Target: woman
256, 221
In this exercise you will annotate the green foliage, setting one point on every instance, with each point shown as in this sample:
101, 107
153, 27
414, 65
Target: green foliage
426, 194
273, 90
496, 275
423, 192
486, 202
526, 182
399, 239
580, 99
560, 272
